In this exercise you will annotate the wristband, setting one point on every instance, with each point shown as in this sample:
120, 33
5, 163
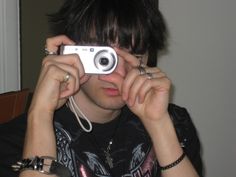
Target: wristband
44, 164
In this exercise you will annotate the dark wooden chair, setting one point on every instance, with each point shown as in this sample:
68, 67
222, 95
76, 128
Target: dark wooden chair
12, 104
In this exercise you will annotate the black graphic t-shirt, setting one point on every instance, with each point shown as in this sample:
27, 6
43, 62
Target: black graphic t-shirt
131, 150
131, 153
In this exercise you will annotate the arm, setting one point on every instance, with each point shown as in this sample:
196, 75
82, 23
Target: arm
39, 140
168, 149
148, 98
51, 93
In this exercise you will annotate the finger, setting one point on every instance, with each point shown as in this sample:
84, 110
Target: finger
53, 88
160, 85
64, 80
51, 79
72, 72
53, 43
129, 58
135, 81
128, 81
130, 77
67, 86
135, 89
71, 60
155, 75
152, 70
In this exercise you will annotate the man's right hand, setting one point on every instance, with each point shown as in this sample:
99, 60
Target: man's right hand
53, 87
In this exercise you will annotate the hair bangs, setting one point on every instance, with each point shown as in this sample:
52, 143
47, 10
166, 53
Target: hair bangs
110, 24
135, 25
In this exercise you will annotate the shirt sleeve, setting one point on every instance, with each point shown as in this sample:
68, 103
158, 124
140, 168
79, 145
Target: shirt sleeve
187, 135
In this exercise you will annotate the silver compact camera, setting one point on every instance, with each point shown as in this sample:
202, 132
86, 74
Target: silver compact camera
95, 59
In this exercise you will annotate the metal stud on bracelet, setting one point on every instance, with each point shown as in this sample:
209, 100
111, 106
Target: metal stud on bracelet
174, 163
44, 164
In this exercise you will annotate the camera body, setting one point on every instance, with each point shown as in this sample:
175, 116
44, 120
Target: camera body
95, 59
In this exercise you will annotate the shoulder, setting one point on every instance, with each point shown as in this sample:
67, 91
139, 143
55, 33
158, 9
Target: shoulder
178, 112
183, 124
13, 132
14, 126
180, 116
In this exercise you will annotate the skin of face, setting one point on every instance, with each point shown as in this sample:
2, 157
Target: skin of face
104, 91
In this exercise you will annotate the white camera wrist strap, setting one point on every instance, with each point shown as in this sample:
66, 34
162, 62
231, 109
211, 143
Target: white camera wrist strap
75, 109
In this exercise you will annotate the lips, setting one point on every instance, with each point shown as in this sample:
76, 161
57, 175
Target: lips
111, 91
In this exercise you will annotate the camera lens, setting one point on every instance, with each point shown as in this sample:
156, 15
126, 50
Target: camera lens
104, 61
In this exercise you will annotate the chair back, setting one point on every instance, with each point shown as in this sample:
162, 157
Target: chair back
12, 104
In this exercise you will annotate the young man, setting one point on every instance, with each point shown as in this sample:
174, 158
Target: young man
135, 131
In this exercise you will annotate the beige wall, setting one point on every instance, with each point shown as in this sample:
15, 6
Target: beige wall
34, 30
9, 46
201, 63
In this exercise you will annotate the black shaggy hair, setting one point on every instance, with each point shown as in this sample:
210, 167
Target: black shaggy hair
136, 25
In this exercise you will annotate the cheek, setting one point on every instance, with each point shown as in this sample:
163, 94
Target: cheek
86, 87
90, 84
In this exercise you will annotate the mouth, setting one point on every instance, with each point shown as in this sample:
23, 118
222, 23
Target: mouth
111, 91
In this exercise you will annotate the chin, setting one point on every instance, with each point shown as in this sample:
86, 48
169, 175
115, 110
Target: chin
111, 104
104, 100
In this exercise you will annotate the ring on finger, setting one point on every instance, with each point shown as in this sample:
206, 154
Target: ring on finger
142, 70
141, 64
67, 77
47, 52
149, 75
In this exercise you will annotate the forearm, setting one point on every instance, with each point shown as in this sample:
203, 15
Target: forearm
168, 149
39, 140
53, 88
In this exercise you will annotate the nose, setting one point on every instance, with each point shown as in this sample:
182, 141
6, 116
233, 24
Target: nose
121, 70
121, 67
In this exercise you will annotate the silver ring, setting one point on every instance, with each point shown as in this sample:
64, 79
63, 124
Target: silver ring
47, 52
67, 77
141, 64
149, 75
142, 70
